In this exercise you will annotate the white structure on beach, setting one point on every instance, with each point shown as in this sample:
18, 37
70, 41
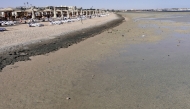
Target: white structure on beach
48, 11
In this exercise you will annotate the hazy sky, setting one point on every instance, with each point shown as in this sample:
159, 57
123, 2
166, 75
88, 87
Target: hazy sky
107, 4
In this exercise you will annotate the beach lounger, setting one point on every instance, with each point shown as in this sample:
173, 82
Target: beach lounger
35, 25
102, 15
67, 20
77, 19
2, 29
8, 23
55, 23
64, 21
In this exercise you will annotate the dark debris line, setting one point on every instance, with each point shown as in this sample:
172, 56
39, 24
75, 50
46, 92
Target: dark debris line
23, 54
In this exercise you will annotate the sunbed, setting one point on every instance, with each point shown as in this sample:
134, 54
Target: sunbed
35, 25
2, 29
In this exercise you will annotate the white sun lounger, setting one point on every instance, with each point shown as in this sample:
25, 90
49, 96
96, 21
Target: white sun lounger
55, 23
77, 19
35, 25
8, 23
64, 21
102, 15
2, 29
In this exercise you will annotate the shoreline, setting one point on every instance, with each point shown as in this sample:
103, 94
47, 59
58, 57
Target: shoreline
23, 52
132, 65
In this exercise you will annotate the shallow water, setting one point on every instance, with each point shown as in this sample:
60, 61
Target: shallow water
177, 18
168, 17
148, 75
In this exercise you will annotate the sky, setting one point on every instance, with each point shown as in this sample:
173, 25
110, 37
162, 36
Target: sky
99, 4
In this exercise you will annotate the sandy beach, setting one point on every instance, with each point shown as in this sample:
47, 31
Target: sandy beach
128, 66
22, 34
20, 42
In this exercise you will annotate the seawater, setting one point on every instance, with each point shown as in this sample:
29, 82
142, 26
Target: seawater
170, 16
150, 75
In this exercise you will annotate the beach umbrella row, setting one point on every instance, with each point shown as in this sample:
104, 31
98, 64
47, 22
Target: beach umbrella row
6, 9
33, 10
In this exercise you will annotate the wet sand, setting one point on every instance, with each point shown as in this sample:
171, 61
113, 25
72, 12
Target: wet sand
138, 64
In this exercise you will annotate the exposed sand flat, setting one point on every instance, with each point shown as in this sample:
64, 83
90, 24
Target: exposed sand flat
22, 34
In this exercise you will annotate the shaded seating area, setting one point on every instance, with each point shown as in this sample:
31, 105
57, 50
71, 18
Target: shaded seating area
32, 16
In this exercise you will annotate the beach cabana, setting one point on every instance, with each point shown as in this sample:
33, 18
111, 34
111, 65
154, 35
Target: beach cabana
7, 13
6, 9
48, 12
17, 13
32, 10
61, 11
65, 13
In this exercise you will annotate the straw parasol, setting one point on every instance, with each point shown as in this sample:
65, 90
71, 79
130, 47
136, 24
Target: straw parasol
32, 10
15, 12
48, 10
61, 12
6, 9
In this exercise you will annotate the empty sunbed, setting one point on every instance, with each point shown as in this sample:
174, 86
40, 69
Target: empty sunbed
2, 29
55, 23
8, 23
35, 25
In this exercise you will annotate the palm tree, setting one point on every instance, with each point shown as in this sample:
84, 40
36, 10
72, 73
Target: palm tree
27, 4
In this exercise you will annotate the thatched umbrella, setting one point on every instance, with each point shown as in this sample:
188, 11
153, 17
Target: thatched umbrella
8, 12
15, 12
32, 10
6, 9
61, 13
48, 10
